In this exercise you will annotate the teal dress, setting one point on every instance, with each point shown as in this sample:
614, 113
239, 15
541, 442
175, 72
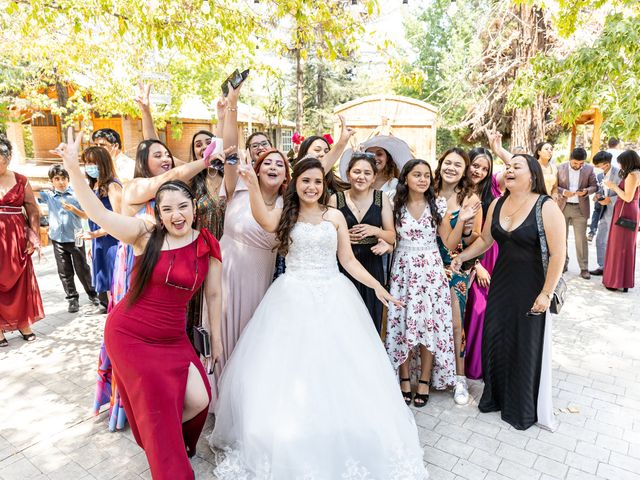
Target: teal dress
458, 281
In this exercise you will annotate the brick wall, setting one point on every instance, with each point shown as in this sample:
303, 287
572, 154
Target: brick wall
45, 139
180, 147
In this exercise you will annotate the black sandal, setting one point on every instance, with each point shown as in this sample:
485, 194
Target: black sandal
4, 343
421, 399
29, 337
406, 396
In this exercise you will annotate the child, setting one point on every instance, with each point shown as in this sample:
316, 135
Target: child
63, 223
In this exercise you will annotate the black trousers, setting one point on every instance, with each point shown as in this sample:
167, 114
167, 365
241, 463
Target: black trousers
69, 260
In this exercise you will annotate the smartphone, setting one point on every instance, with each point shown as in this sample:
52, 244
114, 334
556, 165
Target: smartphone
235, 80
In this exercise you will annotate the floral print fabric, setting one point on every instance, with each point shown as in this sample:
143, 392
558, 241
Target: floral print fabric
418, 279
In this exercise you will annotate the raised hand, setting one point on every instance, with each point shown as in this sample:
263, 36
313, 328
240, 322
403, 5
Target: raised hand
345, 132
69, 152
470, 208
247, 173
142, 97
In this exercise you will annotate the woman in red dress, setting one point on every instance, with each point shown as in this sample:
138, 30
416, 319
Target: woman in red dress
620, 256
20, 301
162, 381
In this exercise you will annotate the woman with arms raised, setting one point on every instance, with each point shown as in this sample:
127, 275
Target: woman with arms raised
516, 341
309, 391
162, 382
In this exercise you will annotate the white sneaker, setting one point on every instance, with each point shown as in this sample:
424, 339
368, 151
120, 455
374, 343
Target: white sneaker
461, 392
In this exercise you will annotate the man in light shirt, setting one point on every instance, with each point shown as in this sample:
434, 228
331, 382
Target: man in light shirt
576, 181
109, 139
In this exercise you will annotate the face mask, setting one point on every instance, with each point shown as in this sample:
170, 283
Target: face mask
92, 171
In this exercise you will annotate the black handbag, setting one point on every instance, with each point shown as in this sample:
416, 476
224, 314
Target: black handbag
626, 222
201, 341
560, 293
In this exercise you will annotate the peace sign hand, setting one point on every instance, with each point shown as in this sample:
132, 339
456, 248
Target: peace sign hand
246, 172
69, 152
345, 132
142, 98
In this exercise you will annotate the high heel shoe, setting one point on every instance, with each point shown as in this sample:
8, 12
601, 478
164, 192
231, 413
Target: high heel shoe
406, 396
625, 290
4, 343
28, 337
421, 399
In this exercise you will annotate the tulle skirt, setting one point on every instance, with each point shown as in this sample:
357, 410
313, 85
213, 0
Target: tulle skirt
309, 392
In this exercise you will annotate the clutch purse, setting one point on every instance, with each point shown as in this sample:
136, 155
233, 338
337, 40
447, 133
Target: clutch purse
201, 341
627, 223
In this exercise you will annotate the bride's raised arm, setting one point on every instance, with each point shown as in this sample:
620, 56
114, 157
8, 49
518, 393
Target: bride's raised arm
267, 219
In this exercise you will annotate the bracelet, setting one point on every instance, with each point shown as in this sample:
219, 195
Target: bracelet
231, 109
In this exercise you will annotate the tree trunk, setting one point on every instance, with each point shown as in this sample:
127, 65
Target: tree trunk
62, 95
321, 128
527, 124
299, 90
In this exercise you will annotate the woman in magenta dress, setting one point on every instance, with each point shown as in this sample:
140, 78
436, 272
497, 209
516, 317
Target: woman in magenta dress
20, 302
487, 188
162, 381
620, 256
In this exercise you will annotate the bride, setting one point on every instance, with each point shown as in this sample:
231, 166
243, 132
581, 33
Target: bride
309, 392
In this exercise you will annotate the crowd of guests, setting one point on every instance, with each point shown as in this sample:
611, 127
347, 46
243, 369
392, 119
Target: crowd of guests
456, 266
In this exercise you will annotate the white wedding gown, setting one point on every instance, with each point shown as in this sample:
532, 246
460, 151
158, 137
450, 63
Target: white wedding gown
309, 392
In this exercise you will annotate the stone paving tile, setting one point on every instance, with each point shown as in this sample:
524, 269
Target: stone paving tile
48, 431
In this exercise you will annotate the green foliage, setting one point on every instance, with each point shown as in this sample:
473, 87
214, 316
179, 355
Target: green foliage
103, 48
603, 72
446, 37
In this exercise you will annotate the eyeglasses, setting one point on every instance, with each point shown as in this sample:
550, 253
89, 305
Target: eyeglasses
362, 155
195, 281
264, 144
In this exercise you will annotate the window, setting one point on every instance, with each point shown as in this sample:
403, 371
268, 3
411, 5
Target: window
285, 139
44, 119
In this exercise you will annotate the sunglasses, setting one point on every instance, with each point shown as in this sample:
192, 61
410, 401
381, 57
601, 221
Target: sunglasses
195, 281
363, 155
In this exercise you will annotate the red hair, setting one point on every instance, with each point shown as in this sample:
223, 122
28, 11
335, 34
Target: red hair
287, 169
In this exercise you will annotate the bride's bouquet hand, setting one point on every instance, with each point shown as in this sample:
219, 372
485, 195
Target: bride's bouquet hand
385, 297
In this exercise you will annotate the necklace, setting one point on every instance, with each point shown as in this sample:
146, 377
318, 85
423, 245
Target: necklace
271, 203
353, 202
509, 216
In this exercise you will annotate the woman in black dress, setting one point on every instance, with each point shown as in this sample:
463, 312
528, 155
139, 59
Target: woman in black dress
370, 218
516, 355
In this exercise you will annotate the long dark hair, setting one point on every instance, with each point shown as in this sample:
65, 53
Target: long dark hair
539, 145
142, 158
484, 187
199, 181
147, 262
291, 208
390, 169
464, 187
402, 193
537, 177
334, 184
629, 161
106, 171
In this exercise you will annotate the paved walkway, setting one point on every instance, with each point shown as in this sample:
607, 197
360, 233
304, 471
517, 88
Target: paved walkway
47, 388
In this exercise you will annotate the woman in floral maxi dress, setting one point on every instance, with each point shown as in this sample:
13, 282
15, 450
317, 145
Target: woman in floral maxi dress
422, 328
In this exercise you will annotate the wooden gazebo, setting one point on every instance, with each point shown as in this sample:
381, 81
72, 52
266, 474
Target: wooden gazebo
593, 116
